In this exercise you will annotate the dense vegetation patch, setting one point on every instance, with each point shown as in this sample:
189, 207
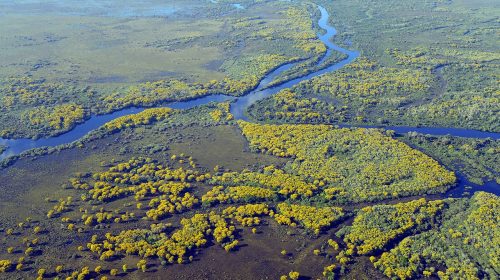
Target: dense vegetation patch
354, 164
313, 218
464, 246
377, 226
287, 106
347, 95
477, 159
38, 106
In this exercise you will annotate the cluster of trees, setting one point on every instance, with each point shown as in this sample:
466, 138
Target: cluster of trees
365, 163
465, 246
374, 227
166, 188
285, 184
22, 243
468, 108
59, 118
31, 108
164, 191
299, 23
292, 275
152, 93
245, 73
248, 214
142, 178
170, 204
448, 239
63, 205
176, 248
287, 106
101, 217
145, 117
220, 194
194, 233
419, 57
28, 91
470, 98
310, 217
431, 57
308, 66
365, 78
5, 265
222, 113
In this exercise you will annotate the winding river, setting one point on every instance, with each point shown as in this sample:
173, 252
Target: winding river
240, 105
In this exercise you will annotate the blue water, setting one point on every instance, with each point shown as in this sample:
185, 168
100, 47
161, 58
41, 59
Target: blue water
465, 185
238, 6
241, 104
17, 146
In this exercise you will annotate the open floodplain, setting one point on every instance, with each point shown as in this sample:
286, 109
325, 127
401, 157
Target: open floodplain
249, 140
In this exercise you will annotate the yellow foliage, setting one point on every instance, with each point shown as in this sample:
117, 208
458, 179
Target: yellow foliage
313, 218
61, 117
5, 265
272, 178
367, 234
246, 215
145, 117
362, 164
235, 194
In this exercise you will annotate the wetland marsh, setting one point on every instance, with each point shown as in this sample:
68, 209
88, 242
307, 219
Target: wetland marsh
249, 140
